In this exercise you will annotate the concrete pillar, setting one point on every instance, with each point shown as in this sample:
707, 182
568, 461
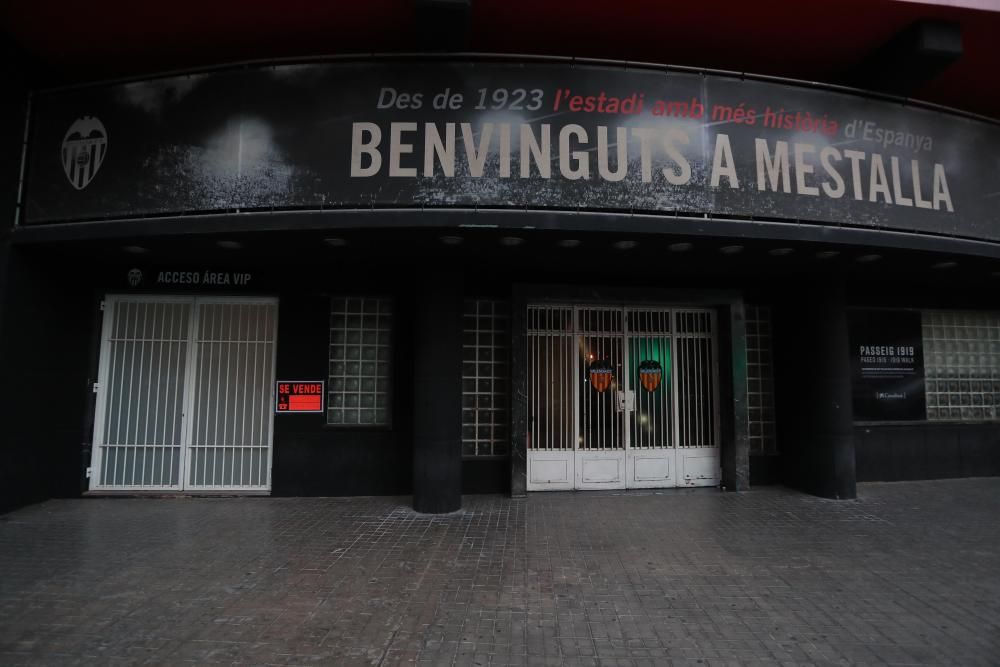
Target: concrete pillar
437, 394
519, 397
732, 337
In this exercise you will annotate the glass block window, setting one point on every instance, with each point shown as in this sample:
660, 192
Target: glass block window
962, 365
485, 379
358, 392
760, 381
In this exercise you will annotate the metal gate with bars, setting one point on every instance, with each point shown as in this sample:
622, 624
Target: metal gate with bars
622, 397
184, 394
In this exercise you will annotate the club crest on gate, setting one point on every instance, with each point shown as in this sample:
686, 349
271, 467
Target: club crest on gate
650, 374
83, 150
602, 374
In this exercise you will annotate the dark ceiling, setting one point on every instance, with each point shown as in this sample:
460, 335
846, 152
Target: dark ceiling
684, 261
72, 42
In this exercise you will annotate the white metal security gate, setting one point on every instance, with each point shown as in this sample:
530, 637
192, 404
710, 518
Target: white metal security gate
651, 459
622, 398
600, 452
551, 397
184, 397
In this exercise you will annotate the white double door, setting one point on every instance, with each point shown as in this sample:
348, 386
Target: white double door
622, 398
185, 394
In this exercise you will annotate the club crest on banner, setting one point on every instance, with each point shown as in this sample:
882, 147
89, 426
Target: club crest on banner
650, 374
602, 375
83, 150
134, 277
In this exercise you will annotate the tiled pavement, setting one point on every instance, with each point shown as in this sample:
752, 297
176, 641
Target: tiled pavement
907, 574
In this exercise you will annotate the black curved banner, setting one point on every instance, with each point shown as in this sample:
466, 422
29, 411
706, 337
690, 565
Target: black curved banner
538, 135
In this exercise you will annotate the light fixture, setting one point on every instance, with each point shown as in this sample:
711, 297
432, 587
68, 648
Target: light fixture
731, 249
451, 240
511, 241
624, 245
568, 243
680, 247
229, 245
867, 259
335, 242
827, 254
944, 265
135, 249
780, 252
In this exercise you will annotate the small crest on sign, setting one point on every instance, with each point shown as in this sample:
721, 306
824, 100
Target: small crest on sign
83, 150
134, 277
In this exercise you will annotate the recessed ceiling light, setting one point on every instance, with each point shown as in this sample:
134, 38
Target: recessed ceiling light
511, 241
568, 243
335, 242
680, 247
229, 245
827, 254
944, 265
624, 245
867, 259
451, 240
780, 252
135, 249
731, 249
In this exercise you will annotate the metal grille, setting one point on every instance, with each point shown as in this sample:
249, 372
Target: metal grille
551, 357
138, 423
166, 357
360, 361
697, 392
231, 397
649, 341
962, 365
760, 381
485, 374
600, 341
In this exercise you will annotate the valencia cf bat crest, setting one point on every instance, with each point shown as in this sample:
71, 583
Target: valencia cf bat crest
650, 374
602, 375
83, 150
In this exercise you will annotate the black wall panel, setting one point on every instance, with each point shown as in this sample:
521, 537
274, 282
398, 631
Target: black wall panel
813, 390
486, 475
765, 470
44, 396
927, 451
313, 459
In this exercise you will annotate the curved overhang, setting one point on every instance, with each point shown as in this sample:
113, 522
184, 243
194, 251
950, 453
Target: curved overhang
501, 220
565, 144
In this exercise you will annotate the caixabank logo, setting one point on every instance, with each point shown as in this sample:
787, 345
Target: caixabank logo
83, 150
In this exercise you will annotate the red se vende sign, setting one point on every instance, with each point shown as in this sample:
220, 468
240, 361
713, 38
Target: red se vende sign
299, 396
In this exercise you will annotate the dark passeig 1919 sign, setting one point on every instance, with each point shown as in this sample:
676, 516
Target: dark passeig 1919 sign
542, 135
887, 365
